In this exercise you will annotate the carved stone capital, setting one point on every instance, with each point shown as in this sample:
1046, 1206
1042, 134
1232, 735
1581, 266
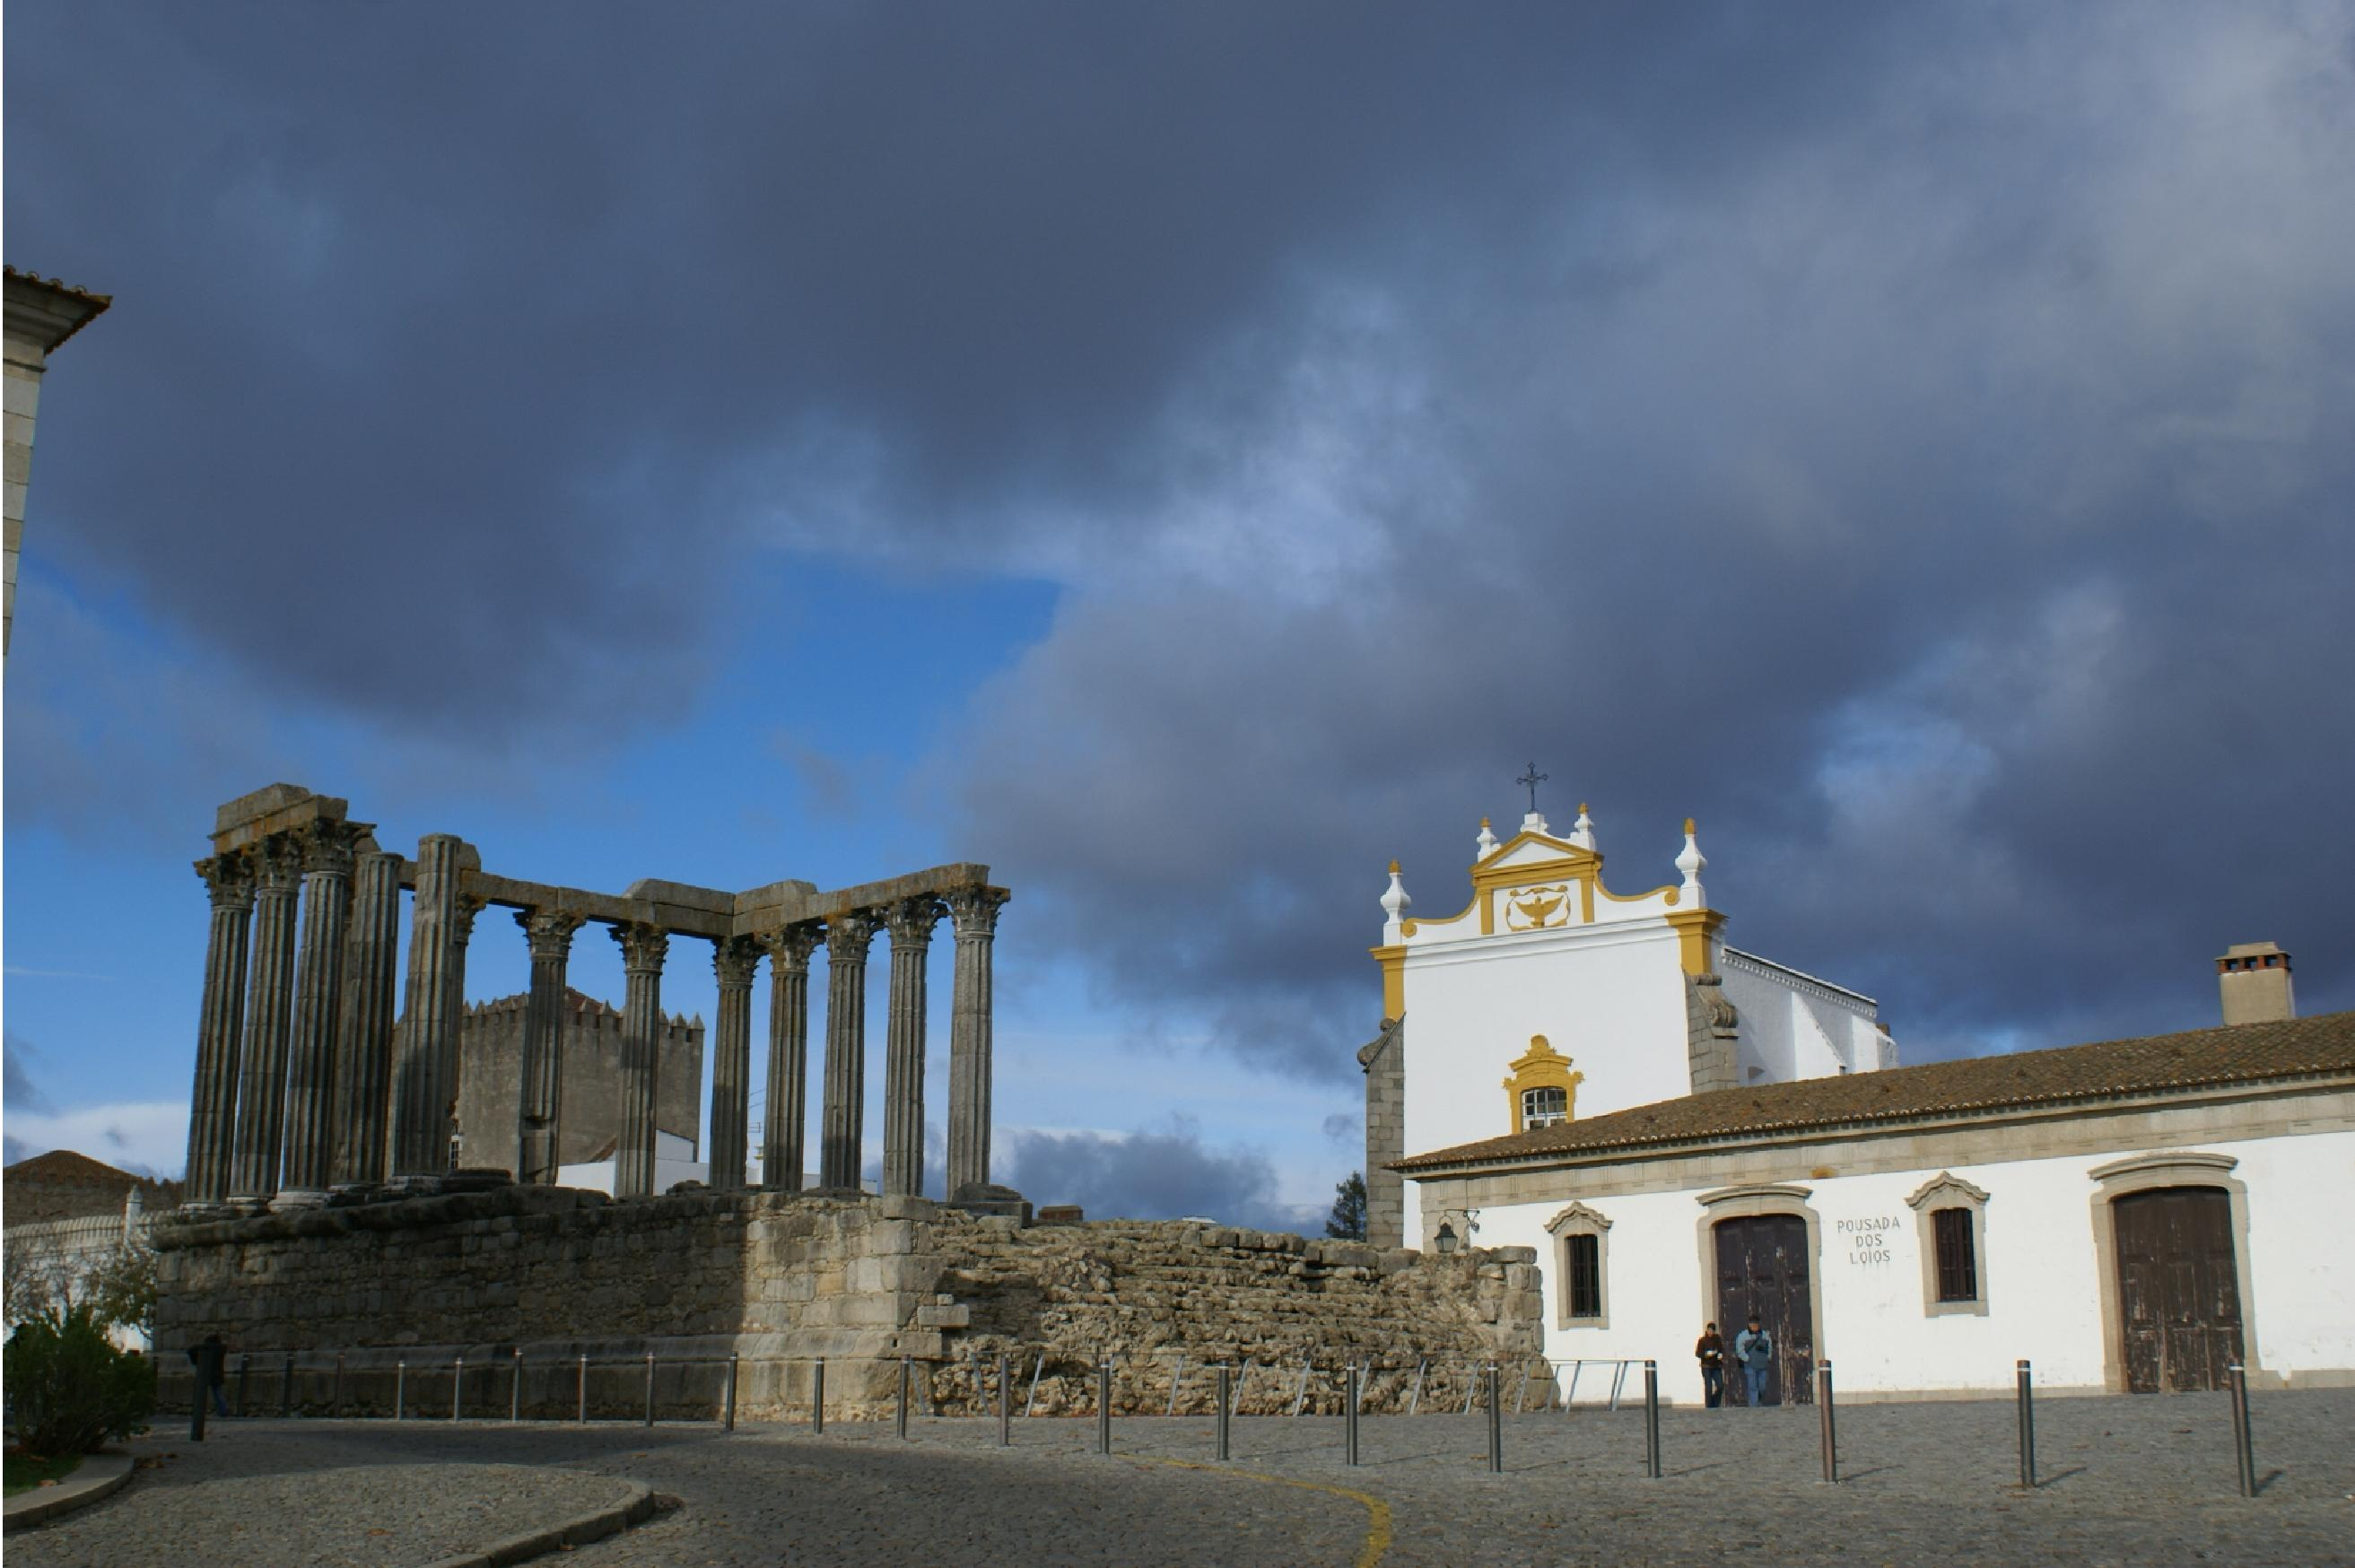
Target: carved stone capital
975, 911
644, 948
462, 910
328, 848
229, 880
848, 933
733, 962
911, 921
789, 950
277, 865
548, 933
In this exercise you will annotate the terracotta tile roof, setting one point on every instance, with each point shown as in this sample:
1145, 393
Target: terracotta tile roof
2209, 1058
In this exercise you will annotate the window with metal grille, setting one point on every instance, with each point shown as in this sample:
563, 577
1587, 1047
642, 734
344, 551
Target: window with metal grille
1544, 1107
1585, 1275
1958, 1264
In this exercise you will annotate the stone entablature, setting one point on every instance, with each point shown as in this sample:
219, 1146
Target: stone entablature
304, 1084
786, 1278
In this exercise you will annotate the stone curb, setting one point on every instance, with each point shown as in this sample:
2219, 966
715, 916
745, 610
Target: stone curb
634, 1510
99, 1475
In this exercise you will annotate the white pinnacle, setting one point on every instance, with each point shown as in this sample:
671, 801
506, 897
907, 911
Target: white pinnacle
1394, 905
1581, 832
1486, 845
1691, 863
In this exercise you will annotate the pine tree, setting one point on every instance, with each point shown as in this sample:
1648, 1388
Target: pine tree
1348, 1220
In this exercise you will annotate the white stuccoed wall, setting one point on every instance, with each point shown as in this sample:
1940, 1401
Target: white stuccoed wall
2044, 1300
1793, 1027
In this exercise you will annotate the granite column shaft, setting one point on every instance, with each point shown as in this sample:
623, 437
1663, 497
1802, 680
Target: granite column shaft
425, 1076
318, 1006
911, 925
782, 1154
841, 1117
733, 962
644, 948
261, 1081
364, 1059
539, 1102
974, 912
212, 1105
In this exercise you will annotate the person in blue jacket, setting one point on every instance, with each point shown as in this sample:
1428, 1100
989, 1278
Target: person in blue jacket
1753, 1350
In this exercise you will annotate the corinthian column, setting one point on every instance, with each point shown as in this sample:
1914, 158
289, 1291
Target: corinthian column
781, 1124
912, 924
539, 1106
364, 1064
644, 948
421, 1094
732, 961
974, 910
318, 1005
262, 1085
841, 1119
212, 1105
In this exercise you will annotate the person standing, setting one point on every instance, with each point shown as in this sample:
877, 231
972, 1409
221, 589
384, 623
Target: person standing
210, 1358
1753, 1347
1710, 1353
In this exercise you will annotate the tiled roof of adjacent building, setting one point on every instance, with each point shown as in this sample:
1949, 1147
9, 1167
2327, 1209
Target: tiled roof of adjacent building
63, 1185
2321, 1047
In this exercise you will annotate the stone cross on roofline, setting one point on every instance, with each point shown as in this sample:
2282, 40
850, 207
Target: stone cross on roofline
364, 1103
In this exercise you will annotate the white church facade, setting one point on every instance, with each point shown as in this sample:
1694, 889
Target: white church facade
1684, 1132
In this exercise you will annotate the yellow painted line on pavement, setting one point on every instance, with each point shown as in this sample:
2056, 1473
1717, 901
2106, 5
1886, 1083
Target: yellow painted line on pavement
1378, 1513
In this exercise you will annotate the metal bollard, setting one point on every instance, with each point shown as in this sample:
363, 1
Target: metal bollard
286, 1389
900, 1419
817, 1398
2242, 1445
1496, 1423
1349, 1425
1103, 1407
1652, 1419
1824, 1414
1005, 1406
1226, 1410
244, 1377
580, 1390
2026, 1431
727, 1413
650, 1388
1415, 1399
515, 1386
457, 1385
336, 1401
1300, 1398
196, 1404
400, 1387
1176, 1378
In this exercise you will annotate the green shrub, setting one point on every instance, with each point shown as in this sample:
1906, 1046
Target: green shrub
71, 1390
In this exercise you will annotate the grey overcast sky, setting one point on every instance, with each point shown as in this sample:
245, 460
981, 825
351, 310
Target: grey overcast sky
1185, 455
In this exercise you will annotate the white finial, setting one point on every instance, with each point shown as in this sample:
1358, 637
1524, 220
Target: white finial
1581, 832
1486, 843
1535, 822
1394, 905
1691, 863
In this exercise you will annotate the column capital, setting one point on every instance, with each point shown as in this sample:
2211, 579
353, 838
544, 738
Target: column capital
644, 948
328, 848
848, 933
277, 864
462, 910
733, 960
912, 920
976, 910
229, 880
789, 949
549, 932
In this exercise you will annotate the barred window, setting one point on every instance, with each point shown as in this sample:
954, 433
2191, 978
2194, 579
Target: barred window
1544, 1107
1584, 1257
1959, 1265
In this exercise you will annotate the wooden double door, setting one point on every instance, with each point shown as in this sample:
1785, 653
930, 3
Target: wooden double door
1762, 1268
2178, 1289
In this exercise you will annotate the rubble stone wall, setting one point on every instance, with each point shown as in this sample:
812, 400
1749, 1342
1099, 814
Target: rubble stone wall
785, 1279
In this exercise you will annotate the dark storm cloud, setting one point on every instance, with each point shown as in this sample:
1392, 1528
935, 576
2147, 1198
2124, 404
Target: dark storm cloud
1149, 1175
1911, 441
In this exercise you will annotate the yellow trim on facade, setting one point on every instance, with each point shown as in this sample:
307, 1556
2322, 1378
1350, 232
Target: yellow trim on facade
1541, 1066
1393, 963
1695, 929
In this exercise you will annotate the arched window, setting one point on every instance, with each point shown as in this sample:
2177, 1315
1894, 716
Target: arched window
1951, 1235
1545, 1106
1542, 1089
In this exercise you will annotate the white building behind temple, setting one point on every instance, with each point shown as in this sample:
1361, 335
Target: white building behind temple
1549, 996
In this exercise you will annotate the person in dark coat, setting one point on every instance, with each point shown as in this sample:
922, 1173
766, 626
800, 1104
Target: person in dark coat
210, 1358
1710, 1353
1754, 1348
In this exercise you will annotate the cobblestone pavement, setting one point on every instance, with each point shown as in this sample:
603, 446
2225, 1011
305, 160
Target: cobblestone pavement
2125, 1481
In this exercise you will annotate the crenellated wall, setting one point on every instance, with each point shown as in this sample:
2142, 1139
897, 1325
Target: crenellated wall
784, 1279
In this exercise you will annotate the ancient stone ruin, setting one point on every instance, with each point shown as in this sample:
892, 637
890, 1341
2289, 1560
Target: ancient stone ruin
326, 1229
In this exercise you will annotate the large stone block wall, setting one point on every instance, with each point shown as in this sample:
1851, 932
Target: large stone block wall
490, 1080
783, 1279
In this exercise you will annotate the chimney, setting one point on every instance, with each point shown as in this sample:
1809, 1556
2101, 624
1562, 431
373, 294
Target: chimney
2254, 980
